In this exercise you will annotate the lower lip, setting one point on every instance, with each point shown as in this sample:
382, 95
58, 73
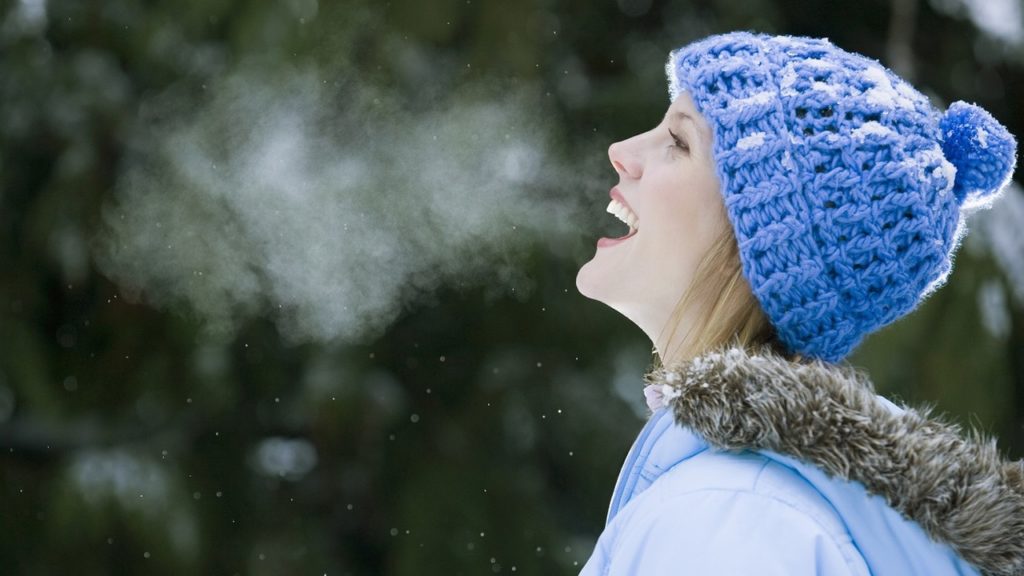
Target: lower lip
613, 241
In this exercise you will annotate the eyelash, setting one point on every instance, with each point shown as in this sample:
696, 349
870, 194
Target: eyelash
678, 143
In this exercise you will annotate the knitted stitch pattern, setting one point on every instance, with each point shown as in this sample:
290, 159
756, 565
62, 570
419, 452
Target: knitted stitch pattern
845, 187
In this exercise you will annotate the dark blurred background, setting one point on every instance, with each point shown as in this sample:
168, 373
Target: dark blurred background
476, 430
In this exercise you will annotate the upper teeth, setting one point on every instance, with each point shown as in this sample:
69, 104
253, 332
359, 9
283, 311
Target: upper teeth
622, 213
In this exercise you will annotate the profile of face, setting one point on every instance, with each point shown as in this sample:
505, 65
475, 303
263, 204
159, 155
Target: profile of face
668, 183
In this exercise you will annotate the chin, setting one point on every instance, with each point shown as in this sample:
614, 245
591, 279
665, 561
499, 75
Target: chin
586, 284
593, 282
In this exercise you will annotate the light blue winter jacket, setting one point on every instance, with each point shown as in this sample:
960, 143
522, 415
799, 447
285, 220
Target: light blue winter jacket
745, 472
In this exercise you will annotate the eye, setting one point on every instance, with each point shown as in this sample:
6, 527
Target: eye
678, 143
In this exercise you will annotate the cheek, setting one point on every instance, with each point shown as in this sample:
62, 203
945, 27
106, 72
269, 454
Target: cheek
681, 211
688, 216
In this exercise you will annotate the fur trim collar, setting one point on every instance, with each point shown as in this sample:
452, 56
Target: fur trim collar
958, 488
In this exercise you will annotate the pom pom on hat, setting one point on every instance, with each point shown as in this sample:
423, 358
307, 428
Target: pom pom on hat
982, 150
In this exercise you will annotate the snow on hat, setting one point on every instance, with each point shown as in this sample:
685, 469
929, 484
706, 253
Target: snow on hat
845, 187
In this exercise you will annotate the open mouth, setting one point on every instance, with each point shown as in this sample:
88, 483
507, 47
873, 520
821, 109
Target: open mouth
623, 213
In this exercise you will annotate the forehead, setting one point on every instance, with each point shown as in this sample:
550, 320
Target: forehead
683, 102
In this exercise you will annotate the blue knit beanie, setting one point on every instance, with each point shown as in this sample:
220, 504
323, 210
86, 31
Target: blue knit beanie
845, 187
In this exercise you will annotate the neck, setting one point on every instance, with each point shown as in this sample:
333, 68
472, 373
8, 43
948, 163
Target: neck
678, 336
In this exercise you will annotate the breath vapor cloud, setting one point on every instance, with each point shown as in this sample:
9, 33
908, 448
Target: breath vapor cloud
331, 207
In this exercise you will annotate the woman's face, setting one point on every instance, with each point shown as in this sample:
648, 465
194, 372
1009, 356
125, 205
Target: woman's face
667, 180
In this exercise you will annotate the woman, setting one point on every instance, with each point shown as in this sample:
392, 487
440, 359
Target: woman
795, 198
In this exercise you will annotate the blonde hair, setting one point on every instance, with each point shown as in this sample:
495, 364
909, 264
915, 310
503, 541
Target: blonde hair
730, 313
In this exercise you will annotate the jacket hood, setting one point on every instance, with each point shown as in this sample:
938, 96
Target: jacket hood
957, 487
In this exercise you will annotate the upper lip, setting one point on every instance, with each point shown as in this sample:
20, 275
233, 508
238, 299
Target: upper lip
616, 195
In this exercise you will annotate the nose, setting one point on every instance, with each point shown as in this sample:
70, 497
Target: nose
625, 163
